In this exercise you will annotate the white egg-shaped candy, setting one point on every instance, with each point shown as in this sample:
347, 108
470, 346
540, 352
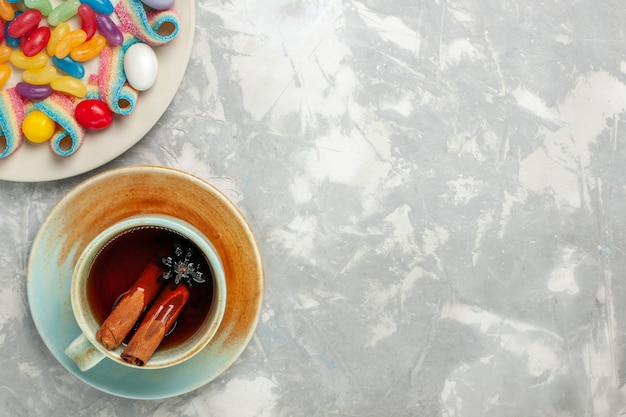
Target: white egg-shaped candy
141, 66
158, 4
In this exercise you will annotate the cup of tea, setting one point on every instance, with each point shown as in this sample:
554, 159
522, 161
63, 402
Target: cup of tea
148, 292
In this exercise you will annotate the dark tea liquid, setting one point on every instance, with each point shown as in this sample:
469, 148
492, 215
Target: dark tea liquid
119, 264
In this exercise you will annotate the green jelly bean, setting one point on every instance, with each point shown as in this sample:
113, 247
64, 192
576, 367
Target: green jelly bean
63, 12
44, 6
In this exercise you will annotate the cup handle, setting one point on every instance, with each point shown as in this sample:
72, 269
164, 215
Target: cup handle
83, 353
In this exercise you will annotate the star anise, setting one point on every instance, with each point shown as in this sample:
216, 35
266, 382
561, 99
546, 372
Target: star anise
181, 268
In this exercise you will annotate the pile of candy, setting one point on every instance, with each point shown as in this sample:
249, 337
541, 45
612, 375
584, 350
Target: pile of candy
56, 101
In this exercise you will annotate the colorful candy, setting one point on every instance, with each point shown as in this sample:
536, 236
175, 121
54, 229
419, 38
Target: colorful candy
69, 85
24, 23
6, 10
49, 106
158, 4
156, 28
69, 42
11, 117
5, 74
140, 66
89, 49
28, 62
11, 41
5, 53
58, 32
38, 127
88, 22
99, 6
32, 91
44, 6
112, 85
93, 114
109, 30
63, 12
40, 76
36, 41
69, 66
70, 135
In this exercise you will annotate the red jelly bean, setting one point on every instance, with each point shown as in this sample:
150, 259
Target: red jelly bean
24, 23
36, 41
22, 40
88, 21
93, 114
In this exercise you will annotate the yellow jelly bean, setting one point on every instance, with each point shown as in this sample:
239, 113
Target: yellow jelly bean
69, 85
5, 73
40, 76
38, 127
70, 41
58, 32
6, 10
22, 61
90, 49
5, 53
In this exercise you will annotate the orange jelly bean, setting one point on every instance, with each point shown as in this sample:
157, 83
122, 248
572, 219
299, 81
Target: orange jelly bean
5, 73
5, 53
89, 50
6, 10
69, 42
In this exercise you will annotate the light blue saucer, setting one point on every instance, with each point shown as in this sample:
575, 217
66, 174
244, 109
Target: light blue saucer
105, 199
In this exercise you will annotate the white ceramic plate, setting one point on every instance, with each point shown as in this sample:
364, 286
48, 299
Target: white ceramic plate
129, 191
32, 162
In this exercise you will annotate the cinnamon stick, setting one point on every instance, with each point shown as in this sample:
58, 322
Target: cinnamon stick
157, 322
124, 316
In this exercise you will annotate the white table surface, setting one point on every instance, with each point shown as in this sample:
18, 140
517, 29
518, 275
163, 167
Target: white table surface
438, 190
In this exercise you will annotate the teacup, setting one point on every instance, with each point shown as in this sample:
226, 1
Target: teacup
93, 288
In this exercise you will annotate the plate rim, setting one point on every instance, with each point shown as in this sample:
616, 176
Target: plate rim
56, 211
